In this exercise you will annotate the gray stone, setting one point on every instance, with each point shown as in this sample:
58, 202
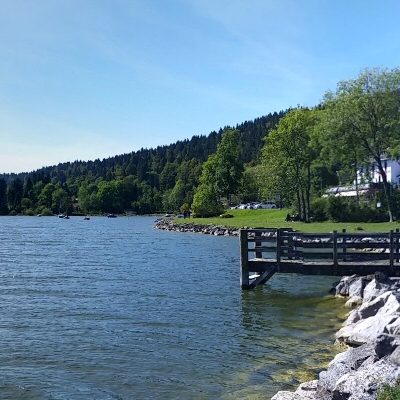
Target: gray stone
385, 344
366, 330
284, 395
343, 287
374, 289
366, 380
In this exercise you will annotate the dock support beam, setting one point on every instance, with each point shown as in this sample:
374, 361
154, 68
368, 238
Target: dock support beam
244, 260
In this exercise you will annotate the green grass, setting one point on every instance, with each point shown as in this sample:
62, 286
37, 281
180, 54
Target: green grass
389, 393
276, 219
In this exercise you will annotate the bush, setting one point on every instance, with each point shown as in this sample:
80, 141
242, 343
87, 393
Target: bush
205, 203
318, 209
388, 393
336, 209
46, 212
13, 213
226, 215
29, 212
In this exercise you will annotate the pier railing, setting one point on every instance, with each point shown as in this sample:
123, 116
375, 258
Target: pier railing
264, 252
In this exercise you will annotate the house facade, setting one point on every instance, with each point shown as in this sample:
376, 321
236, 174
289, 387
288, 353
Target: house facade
368, 180
371, 173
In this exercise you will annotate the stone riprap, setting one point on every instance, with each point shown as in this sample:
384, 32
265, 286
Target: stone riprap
371, 334
168, 225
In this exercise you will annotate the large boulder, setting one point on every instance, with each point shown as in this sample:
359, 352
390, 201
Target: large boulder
305, 391
367, 309
344, 363
343, 287
371, 319
366, 380
375, 288
366, 330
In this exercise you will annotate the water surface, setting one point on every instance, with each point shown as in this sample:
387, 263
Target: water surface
114, 309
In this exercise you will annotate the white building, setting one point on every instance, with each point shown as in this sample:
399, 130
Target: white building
367, 179
371, 173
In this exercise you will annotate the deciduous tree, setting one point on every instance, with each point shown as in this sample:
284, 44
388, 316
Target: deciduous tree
364, 119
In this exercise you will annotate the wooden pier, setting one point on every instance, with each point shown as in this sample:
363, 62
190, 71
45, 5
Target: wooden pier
264, 252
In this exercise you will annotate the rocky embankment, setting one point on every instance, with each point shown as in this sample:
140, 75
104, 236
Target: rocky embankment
168, 225
371, 335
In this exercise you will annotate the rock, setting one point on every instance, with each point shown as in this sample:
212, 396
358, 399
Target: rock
283, 395
366, 330
343, 288
375, 289
365, 381
168, 225
386, 344
305, 391
368, 309
356, 291
373, 333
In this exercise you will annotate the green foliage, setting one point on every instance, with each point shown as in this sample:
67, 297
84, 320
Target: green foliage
249, 188
388, 393
223, 170
205, 203
184, 207
288, 155
336, 209
319, 210
3, 198
361, 120
46, 212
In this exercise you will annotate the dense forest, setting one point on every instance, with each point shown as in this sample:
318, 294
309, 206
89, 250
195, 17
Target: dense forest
145, 181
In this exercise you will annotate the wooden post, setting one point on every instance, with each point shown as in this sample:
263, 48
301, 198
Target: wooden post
344, 245
258, 244
278, 250
244, 260
391, 252
335, 251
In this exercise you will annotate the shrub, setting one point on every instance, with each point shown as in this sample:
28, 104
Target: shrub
336, 209
318, 209
46, 212
388, 393
226, 215
205, 203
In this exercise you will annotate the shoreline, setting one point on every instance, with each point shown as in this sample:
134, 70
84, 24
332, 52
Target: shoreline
370, 334
216, 230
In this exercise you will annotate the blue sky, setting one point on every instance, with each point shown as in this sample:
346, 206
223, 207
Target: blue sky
87, 79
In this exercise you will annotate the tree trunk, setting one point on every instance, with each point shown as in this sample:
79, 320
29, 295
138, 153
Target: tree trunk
386, 188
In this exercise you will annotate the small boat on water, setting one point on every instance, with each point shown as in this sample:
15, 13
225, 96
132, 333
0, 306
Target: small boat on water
111, 215
86, 218
61, 216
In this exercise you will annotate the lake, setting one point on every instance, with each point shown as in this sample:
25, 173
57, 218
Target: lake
114, 309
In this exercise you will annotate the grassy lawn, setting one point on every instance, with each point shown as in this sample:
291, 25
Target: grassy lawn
276, 219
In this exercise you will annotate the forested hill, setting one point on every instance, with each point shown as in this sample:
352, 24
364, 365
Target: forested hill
146, 161
147, 180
